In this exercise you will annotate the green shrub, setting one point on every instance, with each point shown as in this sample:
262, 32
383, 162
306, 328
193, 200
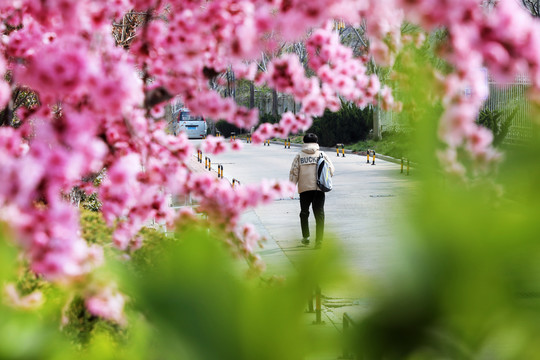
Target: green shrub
498, 121
348, 125
94, 229
226, 128
395, 142
91, 202
268, 118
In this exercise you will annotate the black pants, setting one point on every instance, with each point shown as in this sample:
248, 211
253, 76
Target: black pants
316, 199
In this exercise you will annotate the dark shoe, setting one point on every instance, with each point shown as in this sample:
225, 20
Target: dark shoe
305, 241
318, 245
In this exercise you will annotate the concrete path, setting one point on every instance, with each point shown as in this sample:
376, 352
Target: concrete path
362, 222
361, 210
362, 213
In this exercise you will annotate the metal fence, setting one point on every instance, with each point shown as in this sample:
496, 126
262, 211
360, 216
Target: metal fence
503, 97
506, 97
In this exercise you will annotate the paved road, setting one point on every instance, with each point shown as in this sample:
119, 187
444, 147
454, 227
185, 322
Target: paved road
361, 210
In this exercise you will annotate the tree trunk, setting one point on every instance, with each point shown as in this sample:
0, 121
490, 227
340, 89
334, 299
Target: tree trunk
7, 114
228, 74
377, 123
274, 103
251, 95
231, 84
233, 78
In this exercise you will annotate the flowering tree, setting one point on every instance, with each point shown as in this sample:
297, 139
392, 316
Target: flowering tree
99, 104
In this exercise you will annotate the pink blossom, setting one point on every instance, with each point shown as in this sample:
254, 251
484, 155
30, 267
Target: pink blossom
449, 160
381, 53
63, 50
457, 123
249, 236
108, 304
213, 145
236, 145
479, 140
27, 302
58, 69
387, 99
263, 132
5, 94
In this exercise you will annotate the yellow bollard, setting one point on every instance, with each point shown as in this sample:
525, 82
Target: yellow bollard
206, 162
368, 156
342, 150
373, 163
209, 164
337, 150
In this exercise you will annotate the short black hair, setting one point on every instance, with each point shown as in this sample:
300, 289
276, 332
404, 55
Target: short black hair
310, 138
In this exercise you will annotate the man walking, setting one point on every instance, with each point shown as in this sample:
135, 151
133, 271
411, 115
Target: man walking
304, 173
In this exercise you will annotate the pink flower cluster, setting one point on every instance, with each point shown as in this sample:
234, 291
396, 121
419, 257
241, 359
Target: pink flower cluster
339, 74
224, 207
26, 302
108, 304
225, 204
385, 32
36, 176
96, 109
500, 40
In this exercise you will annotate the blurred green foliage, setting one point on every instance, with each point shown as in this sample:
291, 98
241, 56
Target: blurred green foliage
466, 284
188, 299
82, 327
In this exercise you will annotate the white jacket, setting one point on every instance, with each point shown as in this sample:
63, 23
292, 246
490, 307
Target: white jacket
304, 167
